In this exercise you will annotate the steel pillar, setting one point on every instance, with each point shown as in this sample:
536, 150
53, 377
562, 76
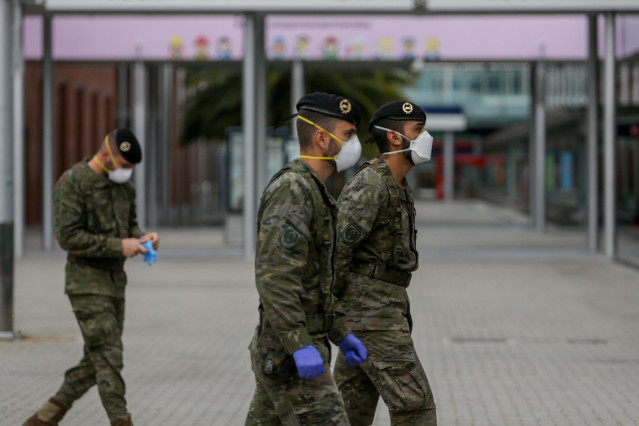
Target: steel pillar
6, 172
593, 136
139, 128
48, 159
540, 149
252, 122
449, 166
18, 133
610, 228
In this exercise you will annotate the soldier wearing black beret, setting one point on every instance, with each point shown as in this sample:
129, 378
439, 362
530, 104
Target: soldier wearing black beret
128, 145
376, 251
330, 105
96, 224
294, 275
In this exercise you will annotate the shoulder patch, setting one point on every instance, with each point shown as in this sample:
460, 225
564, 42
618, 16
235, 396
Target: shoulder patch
290, 237
351, 233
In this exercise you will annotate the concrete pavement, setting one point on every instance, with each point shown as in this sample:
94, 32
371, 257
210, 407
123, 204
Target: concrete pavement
513, 328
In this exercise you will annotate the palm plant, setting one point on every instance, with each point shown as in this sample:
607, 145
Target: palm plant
215, 103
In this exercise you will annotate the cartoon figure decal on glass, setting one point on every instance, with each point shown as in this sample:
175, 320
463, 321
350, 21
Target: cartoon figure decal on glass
176, 48
201, 48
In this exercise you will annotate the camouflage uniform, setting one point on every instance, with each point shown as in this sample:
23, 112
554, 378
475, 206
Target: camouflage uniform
294, 278
376, 253
92, 215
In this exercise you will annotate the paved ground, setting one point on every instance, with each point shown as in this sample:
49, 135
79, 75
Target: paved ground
514, 328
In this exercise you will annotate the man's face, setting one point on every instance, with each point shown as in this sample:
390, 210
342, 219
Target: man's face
412, 129
121, 162
343, 130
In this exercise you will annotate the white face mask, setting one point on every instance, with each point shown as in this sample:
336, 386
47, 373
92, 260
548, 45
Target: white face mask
420, 148
348, 156
120, 175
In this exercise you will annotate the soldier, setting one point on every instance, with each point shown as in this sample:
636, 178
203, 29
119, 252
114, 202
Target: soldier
375, 256
95, 223
294, 274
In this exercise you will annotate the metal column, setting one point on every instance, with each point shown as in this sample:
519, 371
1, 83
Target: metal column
635, 85
297, 88
531, 144
123, 110
449, 166
260, 106
511, 174
166, 138
18, 133
610, 237
593, 136
180, 94
6, 172
139, 128
152, 151
48, 159
636, 177
253, 122
540, 149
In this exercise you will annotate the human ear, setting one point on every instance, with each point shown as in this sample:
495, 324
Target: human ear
394, 138
322, 140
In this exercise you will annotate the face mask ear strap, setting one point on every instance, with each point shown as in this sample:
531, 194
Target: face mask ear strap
320, 127
100, 163
106, 141
395, 152
391, 130
317, 158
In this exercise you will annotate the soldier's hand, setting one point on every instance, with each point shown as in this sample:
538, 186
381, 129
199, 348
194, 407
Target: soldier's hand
132, 247
353, 349
153, 237
309, 362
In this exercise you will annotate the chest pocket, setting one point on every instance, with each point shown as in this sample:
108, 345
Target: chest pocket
324, 243
122, 211
408, 231
100, 218
380, 236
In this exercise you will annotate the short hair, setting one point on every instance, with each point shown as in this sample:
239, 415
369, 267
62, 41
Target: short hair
380, 136
305, 131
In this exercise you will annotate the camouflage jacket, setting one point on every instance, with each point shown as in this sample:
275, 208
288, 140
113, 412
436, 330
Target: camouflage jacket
294, 271
375, 226
92, 215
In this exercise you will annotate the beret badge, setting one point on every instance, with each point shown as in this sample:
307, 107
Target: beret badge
345, 106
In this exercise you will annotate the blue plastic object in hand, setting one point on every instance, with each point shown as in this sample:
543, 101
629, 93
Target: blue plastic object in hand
353, 349
151, 255
309, 362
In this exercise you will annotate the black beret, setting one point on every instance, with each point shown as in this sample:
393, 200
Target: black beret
399, 111
128, 146
331, 105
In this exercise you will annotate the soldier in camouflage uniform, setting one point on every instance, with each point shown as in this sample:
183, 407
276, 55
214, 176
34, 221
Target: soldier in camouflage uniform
376, 254
95, 223
290, 352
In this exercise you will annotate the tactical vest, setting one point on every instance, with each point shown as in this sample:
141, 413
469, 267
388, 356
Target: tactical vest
323, 234
393, 210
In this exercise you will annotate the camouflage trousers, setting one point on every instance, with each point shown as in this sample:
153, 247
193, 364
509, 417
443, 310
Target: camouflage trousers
393, 371
282, 397
101, 319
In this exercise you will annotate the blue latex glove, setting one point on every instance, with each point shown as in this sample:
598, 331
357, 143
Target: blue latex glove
309, 362
150, 256
354, 351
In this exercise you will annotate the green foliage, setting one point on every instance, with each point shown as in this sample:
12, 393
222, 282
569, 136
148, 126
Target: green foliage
215, 99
